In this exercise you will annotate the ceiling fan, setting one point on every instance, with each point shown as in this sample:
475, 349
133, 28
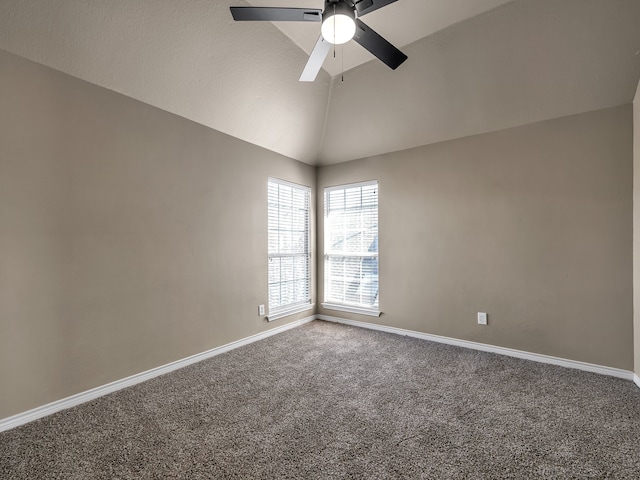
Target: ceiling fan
340, 23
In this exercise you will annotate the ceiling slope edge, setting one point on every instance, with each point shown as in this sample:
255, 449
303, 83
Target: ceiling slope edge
186, 57
521, 63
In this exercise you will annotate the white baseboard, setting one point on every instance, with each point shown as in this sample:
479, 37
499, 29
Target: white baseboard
77, 399
72, 401
536, 357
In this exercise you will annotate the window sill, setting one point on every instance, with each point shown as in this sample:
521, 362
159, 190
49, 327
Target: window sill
351, 309
290, 311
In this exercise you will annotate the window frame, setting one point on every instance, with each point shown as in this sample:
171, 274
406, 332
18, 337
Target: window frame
280, 311
333, 303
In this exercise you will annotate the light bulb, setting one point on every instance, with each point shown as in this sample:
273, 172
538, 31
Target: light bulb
342, 26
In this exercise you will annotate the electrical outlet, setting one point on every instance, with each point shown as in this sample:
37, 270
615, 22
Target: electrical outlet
261, 310
482, 318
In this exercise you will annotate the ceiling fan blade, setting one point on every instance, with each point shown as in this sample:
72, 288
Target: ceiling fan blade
314, 64
378, 46
276, 14
367, 6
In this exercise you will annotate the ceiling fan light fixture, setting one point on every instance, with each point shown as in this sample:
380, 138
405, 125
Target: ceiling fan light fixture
338, 23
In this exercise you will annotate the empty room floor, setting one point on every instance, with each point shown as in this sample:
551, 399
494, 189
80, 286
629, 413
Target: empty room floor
332, 401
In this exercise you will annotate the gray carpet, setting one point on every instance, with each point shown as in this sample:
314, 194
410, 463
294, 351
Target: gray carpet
331, 401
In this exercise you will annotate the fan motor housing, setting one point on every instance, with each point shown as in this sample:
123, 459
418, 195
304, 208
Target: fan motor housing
338, 7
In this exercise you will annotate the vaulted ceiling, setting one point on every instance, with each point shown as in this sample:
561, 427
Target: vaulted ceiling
474, 66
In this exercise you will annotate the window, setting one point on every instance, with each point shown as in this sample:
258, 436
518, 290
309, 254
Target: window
289, 249
351, 248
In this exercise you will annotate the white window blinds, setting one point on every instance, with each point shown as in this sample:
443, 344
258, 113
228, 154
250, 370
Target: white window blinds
351, 245
289, 246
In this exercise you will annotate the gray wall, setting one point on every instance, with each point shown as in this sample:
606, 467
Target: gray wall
129, 237
532, 225
636, 229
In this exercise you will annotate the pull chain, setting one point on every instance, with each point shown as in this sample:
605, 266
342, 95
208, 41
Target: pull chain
342, 54
334, 30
